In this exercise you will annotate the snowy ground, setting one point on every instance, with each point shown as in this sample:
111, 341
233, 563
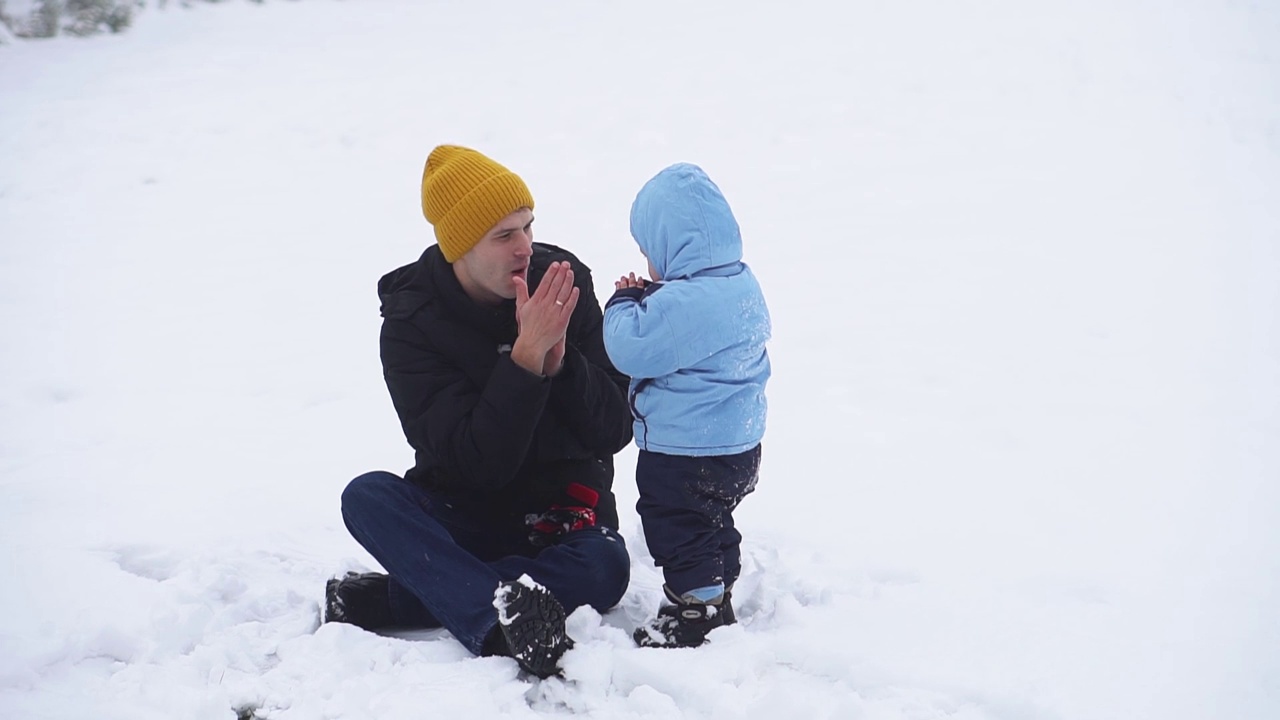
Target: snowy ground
1022, 260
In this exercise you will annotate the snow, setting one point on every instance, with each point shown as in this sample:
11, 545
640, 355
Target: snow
1021, 260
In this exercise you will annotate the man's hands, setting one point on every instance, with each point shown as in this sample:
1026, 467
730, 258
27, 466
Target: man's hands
554, 360
630, 281
543, 320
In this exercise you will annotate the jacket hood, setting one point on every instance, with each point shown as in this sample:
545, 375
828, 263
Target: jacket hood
402, 290
683, 224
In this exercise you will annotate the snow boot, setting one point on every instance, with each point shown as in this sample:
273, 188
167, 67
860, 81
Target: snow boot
531, 625
726, 607
360, 599
684, 623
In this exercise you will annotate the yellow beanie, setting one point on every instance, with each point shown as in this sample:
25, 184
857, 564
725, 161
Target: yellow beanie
464, 194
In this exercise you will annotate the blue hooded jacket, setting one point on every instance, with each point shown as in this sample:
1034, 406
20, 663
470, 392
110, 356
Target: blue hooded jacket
694, 343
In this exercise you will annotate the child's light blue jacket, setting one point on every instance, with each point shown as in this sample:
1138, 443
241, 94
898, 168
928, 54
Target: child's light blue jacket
693, 344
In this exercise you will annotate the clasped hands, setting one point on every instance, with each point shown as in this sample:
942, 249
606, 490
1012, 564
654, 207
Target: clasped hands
543, 320
630, 281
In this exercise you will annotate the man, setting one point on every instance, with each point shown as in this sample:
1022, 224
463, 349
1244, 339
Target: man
492, 350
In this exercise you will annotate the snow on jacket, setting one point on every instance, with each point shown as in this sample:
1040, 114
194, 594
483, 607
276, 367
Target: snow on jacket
694, 343
491, 437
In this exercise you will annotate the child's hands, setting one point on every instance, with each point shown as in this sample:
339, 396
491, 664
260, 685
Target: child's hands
630, 281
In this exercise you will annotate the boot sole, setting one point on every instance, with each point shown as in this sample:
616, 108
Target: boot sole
532, 622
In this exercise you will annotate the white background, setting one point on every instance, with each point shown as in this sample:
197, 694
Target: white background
1022, 260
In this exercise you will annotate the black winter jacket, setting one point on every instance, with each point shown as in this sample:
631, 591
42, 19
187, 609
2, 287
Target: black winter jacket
495, 440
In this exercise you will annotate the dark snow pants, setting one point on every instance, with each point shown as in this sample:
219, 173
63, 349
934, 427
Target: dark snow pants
686, 505
445, 564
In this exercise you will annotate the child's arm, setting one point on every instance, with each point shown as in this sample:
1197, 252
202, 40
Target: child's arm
637, 335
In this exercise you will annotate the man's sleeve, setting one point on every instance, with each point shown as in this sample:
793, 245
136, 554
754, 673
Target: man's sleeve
589, 394
480, 434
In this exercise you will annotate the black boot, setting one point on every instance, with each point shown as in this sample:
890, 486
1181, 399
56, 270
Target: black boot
360, 599
531, 622
684, 623
726, 607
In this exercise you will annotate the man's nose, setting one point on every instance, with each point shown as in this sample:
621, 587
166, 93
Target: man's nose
524, 243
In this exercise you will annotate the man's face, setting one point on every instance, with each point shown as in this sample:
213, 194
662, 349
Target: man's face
487, 272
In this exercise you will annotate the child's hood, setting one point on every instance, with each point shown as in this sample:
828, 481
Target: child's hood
683, 224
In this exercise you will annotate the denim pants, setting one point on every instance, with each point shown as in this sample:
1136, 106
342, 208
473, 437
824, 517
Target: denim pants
686, 508
445, 564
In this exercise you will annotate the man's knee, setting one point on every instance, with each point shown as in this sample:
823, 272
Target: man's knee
367, 492
607, 566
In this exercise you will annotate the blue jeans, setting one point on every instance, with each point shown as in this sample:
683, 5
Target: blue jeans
686, 508
445, 564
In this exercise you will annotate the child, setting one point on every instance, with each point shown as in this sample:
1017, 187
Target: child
693, 341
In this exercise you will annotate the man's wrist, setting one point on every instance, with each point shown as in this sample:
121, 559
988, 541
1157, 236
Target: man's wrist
528, 358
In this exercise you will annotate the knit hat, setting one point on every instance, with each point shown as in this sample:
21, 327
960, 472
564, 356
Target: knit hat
464, 194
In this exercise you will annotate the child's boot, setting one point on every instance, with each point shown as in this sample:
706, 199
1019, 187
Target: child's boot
726, 607
686, 622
